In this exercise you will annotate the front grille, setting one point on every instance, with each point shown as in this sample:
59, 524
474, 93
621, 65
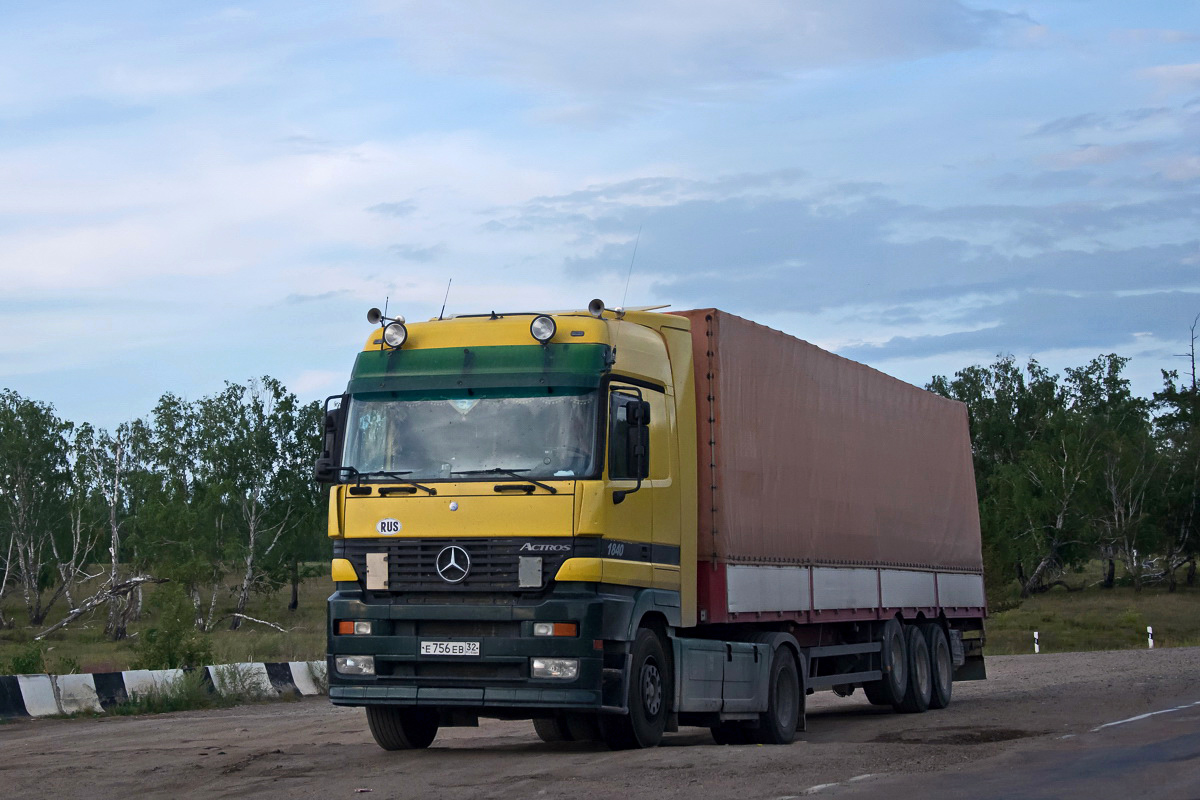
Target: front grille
412, 563
463, 628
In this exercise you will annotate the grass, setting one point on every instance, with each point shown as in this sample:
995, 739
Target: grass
189, 693
1097, 619
83, 647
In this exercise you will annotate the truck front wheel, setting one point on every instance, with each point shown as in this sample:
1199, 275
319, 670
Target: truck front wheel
648, 694
397, 728
785, 701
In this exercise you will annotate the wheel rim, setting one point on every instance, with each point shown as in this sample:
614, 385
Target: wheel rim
652, 689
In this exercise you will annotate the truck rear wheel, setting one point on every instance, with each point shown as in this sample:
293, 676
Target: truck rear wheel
942, 663
920, 678
785, 701
890, 689
647, 695
397, 728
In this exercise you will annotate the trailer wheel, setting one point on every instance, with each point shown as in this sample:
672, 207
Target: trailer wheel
890, 689
552, 729
920, 677
647, 695
402, 728
942, 662
785, 701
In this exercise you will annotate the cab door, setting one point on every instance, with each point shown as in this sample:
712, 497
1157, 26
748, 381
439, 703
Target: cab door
630, 533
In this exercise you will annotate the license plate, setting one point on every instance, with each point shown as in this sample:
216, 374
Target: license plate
449, 648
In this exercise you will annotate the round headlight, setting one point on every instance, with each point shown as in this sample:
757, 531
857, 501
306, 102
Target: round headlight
542, 328
395, 334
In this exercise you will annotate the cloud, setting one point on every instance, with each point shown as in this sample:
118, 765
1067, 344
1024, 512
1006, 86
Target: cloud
958, 278
421, 255
675, 47
1155, 35
403, 208
300, 299
1040, 321
1174, 77
1096, 154
1095, 122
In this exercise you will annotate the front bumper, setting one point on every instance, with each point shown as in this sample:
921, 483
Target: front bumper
498, 678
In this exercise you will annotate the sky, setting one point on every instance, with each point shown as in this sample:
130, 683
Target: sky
198, 192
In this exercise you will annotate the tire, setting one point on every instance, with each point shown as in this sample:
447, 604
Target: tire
920, 673
582, 727
732, 733
552, 729
397, 728
648, 695
889, 690
785, 701
942, 662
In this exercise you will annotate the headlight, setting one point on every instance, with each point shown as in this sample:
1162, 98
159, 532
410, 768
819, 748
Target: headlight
566, 669
356, 665
542, 328
395, 334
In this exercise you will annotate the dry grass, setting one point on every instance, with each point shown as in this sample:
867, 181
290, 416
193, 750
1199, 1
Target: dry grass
83, 647
1097, 619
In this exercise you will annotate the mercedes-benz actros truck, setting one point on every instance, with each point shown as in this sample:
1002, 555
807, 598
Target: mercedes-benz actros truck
615, 522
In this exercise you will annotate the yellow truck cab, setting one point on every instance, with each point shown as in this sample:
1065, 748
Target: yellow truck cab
500, 527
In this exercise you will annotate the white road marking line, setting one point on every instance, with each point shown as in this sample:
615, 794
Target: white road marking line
1144, 716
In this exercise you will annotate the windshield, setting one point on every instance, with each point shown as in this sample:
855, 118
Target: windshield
546, 436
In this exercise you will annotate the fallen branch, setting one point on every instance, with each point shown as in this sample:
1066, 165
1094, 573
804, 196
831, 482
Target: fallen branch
248, 619
105, 595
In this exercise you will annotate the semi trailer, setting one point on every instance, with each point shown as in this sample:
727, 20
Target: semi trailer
614, 522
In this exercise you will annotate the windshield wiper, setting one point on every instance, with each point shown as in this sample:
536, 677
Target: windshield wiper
512, 473
396, 476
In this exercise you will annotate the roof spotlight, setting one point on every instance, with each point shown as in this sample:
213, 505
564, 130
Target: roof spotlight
395, 334
542, 328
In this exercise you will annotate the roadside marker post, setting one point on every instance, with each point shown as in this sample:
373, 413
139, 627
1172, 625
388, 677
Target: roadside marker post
1150, 637
1037, 648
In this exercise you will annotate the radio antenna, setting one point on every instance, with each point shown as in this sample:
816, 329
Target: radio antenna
385, 302
631, 260
444, 299
617, 338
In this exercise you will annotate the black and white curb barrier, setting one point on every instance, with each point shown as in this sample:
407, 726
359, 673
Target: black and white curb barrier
50, 695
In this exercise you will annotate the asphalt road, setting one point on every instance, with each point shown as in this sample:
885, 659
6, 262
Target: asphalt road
1032, 730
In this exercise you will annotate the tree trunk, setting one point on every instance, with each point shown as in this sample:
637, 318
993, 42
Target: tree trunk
1110, 575
295, 603
1191, 573
1035, 580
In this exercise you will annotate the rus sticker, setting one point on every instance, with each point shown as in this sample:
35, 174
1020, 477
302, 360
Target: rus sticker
388, 526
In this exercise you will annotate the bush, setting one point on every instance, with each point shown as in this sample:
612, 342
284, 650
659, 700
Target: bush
189, 692
28, 661
174, 642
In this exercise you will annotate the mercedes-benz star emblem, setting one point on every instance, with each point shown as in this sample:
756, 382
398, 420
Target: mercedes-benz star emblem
453, 564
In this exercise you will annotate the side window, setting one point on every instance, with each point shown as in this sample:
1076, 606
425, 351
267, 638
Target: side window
618, 437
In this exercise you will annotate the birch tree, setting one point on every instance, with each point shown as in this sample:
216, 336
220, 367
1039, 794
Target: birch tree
33, 477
